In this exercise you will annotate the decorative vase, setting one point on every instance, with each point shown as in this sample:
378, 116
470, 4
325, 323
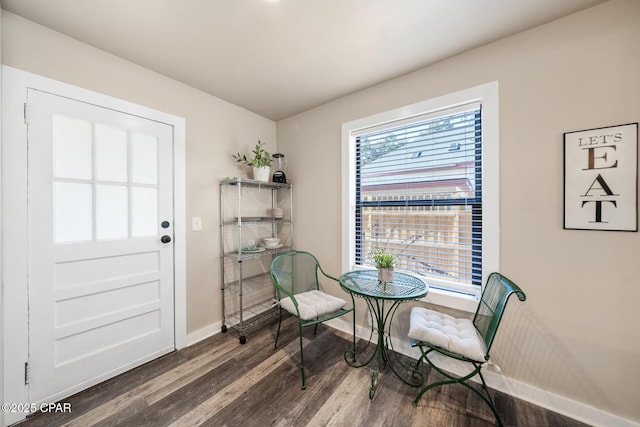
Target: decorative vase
385, 274
262, 174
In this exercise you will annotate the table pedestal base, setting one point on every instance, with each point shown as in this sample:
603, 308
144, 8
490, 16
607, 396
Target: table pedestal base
381, 318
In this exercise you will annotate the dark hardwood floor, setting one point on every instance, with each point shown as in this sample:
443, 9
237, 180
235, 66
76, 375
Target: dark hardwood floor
219, 382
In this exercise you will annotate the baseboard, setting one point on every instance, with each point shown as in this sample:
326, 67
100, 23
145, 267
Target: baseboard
556, 403
553, 402
203, 333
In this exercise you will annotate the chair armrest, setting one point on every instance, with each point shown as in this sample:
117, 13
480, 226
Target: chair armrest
328, 276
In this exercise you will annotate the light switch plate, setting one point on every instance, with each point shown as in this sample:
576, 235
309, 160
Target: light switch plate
196, 223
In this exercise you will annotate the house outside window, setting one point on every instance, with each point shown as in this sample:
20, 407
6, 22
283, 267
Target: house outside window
422, 184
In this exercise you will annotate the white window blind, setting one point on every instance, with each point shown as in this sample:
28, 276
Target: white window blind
419, 195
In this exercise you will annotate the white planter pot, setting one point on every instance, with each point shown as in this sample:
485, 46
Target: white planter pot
262, 174
385, 274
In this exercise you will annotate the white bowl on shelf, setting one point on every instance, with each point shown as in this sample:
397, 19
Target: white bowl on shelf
276, 213
271, 242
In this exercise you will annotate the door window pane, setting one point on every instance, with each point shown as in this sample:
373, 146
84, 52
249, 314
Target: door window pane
112, 212
144, 153
144, 211
73, 212
71, 148
111, 154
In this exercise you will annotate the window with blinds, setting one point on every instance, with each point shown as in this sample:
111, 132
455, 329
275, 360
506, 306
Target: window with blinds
418, 195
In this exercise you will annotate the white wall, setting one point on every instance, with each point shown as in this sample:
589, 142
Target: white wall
577, 334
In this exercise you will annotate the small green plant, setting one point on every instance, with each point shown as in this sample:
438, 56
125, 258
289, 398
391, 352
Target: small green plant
261, 157
383, 259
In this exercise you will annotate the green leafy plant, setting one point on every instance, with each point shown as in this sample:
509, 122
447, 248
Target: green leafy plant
383, 259
261, 157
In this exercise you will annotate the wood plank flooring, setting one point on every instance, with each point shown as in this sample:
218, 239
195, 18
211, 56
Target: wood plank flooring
219, 382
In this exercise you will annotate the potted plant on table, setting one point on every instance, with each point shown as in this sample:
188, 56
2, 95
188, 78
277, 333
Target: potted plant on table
385, 263
261, 162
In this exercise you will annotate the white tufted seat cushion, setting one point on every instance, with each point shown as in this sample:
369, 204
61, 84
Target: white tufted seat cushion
313, 304
451, 333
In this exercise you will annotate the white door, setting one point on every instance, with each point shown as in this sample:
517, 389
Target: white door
100, 212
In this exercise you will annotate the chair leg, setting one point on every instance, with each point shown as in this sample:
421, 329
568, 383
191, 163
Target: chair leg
417, 371
462, 380
429, 387
304, 385
354, 331
275, 345
489, 401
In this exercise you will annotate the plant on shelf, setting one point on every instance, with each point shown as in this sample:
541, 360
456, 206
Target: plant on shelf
385, 263
261, 162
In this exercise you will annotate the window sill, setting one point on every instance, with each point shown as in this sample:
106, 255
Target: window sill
451, 299
442, 297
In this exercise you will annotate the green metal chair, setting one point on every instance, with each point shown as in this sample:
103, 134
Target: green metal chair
295, 277
461, 338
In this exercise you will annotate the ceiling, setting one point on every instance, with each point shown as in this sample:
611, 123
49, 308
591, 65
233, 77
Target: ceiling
281, 58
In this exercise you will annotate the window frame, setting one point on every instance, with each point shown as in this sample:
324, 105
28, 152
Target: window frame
487, 96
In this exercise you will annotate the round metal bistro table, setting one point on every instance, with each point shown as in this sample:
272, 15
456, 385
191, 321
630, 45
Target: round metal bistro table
383, 299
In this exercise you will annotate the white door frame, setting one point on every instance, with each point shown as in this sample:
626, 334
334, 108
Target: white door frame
14, 219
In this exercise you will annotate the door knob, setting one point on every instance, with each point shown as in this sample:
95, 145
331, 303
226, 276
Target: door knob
165, 239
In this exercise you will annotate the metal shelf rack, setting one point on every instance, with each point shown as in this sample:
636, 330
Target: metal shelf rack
247, 292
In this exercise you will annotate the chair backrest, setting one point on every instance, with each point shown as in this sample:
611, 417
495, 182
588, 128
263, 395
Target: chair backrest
294, 272
492, 305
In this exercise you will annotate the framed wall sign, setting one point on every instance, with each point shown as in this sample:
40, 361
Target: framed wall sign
601, 179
